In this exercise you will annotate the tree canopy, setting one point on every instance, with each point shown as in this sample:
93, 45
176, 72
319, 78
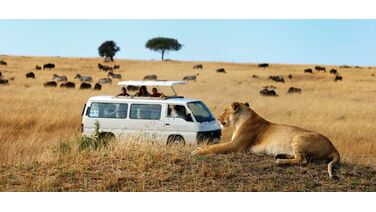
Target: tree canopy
108, 50
161, 44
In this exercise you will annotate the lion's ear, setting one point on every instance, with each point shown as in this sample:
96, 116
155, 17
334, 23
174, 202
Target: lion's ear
235, 106
246, 104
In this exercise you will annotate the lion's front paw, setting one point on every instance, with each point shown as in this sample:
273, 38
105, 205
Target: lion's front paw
278, 161
197, 151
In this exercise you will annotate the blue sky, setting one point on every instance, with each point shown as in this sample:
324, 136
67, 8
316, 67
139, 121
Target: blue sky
351, 42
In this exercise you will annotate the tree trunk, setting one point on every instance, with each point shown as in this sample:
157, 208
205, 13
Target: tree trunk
163, 51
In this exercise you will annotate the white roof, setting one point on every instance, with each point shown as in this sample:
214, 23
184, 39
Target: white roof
152, 83
140, 99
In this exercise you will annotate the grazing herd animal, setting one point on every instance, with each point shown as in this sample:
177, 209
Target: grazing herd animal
1, 75
85, 85
263, 65
58, 78
255, 76
38, 67
320, 68
68, 85
116, 66
289, 76
2, 62
198, 66
83, 78
338, 78
114, 76
105, 81
277, 78
104, 67
190, 78
151, 77
308, 70
50, 84
221, 70
48, 66
30, 75
333, 71
97, 86
294, 90
4, 81
267, 92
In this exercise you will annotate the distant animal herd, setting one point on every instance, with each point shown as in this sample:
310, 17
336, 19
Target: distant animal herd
85, 82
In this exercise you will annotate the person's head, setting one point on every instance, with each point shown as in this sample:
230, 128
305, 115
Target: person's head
154, 90
143, 89
123, 90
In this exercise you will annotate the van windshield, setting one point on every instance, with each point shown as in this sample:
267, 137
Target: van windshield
200, 112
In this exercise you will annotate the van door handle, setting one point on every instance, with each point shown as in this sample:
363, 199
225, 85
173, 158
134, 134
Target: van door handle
167, 124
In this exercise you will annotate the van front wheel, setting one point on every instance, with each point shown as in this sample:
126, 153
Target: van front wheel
175, 140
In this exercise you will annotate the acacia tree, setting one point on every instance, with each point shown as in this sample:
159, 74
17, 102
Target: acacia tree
161, 44
108, 50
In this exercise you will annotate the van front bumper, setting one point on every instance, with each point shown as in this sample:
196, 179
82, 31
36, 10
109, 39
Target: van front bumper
209, 136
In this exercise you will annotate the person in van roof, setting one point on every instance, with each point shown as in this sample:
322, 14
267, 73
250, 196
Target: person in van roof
123, 92
143, 91
155, 93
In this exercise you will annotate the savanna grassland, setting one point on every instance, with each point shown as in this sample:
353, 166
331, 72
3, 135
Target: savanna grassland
40, 129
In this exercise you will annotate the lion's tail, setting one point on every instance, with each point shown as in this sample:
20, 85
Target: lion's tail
335, 160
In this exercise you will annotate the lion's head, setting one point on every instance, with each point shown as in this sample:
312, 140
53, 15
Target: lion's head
232, 114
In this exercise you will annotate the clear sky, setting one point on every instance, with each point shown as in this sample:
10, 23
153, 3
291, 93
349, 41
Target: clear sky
351, 42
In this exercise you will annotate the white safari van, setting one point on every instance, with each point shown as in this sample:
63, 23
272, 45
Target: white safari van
167, 120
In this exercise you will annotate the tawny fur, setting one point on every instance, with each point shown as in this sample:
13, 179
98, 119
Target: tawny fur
290, 145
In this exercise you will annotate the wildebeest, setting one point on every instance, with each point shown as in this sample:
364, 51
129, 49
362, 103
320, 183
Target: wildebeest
48, 66
4, 82
277, 78
38, 67
320, 68
50, 84
104, 67
2, 62
289, 76
150, 77
132, 88
263, 65
85, 85
97, 86
198, 66
190, 78
345, 66
294, 90
333, 71
114, 76
67, 85
221, 70
1, 75
58, 78
116, 66
267, 92
338, 77
104, 81
308, 70
30, 75
255, 76
83, 78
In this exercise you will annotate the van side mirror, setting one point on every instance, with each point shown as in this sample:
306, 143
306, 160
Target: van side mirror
87, 111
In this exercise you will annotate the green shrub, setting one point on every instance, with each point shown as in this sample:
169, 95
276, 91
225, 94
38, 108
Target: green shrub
96, 141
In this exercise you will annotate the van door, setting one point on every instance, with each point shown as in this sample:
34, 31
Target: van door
179, 122
110, 116
146, 121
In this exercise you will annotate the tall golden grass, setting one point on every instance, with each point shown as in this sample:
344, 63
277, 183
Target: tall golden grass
35, 120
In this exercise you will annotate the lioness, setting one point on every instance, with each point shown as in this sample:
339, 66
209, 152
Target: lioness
288, 144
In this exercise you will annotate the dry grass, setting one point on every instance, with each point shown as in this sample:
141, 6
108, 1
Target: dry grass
35, 121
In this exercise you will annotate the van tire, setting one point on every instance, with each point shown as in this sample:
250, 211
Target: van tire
177, 140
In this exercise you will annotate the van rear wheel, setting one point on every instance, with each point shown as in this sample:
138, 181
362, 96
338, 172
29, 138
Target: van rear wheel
175, 140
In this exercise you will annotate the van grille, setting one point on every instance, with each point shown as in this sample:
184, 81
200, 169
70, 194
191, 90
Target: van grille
208, 136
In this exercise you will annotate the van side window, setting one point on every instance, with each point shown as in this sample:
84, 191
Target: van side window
145, 111
178, 111
108, 110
